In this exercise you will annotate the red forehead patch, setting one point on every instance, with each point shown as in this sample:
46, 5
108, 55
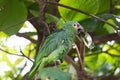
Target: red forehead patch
78, 25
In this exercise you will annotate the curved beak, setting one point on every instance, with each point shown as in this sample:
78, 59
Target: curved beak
81, 29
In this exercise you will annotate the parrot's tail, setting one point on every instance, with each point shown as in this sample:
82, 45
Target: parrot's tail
33, 72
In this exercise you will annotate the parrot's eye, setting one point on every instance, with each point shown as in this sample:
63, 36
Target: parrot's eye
77, 25
74, 25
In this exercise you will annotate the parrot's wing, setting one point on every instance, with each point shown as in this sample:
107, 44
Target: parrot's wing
51, 43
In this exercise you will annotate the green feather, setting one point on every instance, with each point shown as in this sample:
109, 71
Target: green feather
58, 44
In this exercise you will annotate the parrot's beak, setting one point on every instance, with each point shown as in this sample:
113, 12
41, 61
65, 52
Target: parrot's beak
81, 29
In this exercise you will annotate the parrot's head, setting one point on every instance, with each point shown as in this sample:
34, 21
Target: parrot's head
78, 27
73, 27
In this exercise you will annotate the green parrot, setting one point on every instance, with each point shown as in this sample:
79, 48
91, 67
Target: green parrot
57, 45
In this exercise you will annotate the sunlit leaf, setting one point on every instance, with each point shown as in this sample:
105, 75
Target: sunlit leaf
29, 50
109, 28
106, 47
90, 6
104, 57
9, 74
114, 51
90, 62
2, 34
10, 50
116, 45
18, 61
7, 60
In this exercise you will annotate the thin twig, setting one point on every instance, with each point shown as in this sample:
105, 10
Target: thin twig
70, 61
47, 27
82, 48
26, 56
79, 55
105, 38
10, 53
15, 54
42, 8
21, 70
77, 10
26, 37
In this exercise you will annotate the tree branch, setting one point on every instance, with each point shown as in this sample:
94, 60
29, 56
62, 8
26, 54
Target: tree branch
21, 70
26, 37
79, 56
81, 50
106, 52
70, 61
42, 25
16, 54
80, 11
105, 38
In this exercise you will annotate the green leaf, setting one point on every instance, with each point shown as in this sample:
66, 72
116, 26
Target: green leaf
18, 61
105, 7
72, 71
91, 24
90, 62
104, 68
89, 6
52, 18
28, 2
12, 50
29, 50
114, 51
6, 59
12, 12
105, 28
34, 9
104, 57
106, 47
9, 74
108, 28
53, 74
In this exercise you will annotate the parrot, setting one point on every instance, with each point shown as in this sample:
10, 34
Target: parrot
56, 45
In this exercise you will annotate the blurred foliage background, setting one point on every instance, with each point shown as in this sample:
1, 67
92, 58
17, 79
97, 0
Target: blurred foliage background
20, 31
